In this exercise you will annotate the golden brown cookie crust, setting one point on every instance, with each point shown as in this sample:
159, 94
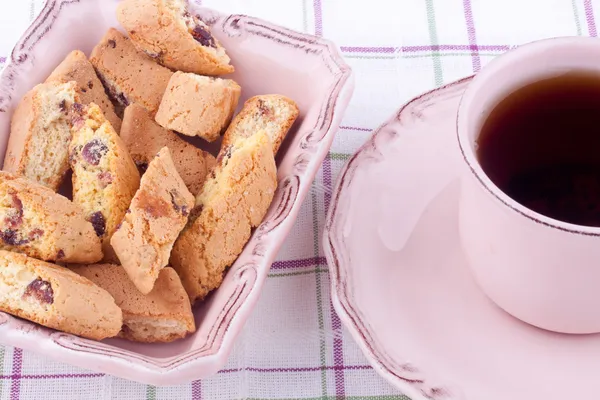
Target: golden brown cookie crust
197, 105
129, 75
144, 138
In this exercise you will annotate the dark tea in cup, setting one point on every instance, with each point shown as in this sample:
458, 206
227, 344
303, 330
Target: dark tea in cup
541, 146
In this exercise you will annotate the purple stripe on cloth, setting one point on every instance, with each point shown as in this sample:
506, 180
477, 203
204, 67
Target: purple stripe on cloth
17, 366
2, 60
51, 376
457, 47
416, 49
338, 355
197, 390
318, 17
356, 128
301, 263
589, 16
354, 49
472, 35
299, 369
196, 385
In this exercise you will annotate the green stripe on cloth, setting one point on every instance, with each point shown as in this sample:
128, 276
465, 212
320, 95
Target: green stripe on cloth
150, 392
338, 156
322, 344
297, 273
576, 15
305, 16
452, 55
32, 11
433, 38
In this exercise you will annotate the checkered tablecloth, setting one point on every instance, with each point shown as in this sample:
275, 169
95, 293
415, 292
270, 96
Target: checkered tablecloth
294, 346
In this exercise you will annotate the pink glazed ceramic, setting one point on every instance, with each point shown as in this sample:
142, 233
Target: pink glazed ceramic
540, 270
401, 284
268, 59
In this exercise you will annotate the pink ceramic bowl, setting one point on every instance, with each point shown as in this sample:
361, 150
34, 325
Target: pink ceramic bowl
268, 59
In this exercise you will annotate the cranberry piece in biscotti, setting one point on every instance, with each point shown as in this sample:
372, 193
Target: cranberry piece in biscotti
203, 36
12, 238
14, 212
40, 290
98, 222
93, 151
105, 178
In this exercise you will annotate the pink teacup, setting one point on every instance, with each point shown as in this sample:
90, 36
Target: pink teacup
541, 270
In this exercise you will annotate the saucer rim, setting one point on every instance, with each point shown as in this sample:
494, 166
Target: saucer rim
410, 380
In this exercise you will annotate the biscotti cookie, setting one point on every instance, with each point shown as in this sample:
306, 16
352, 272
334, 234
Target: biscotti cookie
40, 132
56, 297
129, 75
38, 222
76, 67
198, 105
158, 212
163, 315
273, 113
231, 203
144, 138
168, 32
105, 177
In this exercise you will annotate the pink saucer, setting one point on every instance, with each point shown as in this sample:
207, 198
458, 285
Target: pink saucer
401, 285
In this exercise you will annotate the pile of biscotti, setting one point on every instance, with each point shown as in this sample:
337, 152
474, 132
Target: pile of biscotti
150, 222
